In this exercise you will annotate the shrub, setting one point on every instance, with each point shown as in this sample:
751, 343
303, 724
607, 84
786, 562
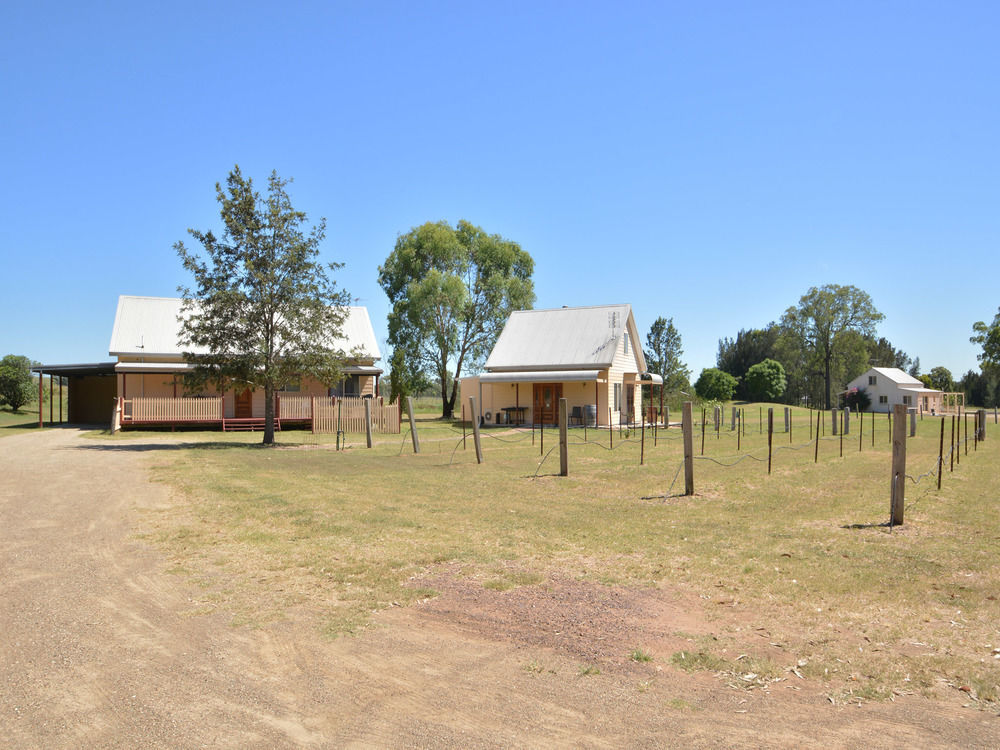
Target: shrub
715, 384
766, 380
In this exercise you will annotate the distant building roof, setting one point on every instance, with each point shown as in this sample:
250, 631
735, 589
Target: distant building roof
565, 338
149, 327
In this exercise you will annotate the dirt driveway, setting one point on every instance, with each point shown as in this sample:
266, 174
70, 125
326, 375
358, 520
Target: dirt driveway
100, 647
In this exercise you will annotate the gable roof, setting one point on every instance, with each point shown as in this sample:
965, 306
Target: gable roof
896, 375
149, 327
564, 338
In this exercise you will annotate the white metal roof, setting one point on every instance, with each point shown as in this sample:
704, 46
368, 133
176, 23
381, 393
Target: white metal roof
565, 338
149, 327
896, 376
540, 376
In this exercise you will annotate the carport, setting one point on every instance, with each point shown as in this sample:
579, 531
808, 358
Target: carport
91, 392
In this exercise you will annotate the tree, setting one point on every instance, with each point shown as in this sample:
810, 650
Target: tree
822, 317
988, 337
452, 289
766, 380
263, 310
663, 354
16, 382
940, 379
881, 353
715, 385
738, 355
858, 400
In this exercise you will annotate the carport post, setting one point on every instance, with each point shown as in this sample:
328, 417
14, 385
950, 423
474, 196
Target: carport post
52, 394
60, 399
41, 377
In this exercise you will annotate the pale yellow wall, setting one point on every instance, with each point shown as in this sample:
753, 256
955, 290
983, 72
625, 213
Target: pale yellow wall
624, 364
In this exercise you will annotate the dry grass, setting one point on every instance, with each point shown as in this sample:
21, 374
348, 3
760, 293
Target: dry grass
799, 555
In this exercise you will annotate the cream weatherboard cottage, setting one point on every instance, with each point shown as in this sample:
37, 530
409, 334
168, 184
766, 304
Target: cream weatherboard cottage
591, 356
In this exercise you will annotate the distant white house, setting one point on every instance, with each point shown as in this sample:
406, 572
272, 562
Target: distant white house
888, 386
591, 356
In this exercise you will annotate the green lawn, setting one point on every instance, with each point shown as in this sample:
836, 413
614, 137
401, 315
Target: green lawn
16, 423
802, 551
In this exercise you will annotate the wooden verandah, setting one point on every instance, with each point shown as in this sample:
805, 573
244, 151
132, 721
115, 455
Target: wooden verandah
321, 414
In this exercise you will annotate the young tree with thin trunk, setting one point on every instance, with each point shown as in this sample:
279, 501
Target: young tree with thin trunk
263, 311
663, 354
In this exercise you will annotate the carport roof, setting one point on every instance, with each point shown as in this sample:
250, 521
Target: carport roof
90, 368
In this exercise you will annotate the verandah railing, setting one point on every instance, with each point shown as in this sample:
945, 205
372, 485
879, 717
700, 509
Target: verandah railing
326, 414
168, 409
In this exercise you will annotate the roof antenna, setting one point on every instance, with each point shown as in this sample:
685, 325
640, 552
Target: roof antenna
142, 344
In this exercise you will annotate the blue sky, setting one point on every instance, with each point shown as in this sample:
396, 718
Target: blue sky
703, 161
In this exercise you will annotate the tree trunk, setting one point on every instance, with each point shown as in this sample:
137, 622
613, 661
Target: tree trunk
268, 415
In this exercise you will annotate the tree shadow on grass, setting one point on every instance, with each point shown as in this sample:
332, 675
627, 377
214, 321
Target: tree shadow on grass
200, 445
882, 525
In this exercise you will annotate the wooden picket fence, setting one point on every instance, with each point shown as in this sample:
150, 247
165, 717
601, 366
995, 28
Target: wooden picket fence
349, 414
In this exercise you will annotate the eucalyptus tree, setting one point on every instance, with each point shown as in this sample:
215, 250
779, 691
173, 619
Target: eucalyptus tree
452, 289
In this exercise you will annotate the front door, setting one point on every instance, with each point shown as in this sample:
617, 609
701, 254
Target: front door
244, 405
546, 402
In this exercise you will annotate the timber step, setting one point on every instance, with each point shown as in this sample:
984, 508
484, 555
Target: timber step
248, 424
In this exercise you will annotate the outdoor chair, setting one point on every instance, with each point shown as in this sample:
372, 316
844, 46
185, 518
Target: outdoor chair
576, 414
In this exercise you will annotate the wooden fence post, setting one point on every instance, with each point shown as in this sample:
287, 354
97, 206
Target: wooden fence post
688, 429
732, 423
642, 442
941, 454
898, 494
982, 425
717, 418
563, 442
788, 419
475, 430
913, 421
847, 420
703, 432
819, 420
368, 421
833, 421
413, 423
770, 435
951, 451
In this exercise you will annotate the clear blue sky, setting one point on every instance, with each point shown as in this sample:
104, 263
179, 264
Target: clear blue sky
703, 161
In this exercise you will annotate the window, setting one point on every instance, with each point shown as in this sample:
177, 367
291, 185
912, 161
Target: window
907, 400
883, 399
871, 380
618, 396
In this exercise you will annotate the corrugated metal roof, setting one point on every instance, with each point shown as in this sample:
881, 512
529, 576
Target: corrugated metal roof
540, 376
149, 327
565, 338
897, 376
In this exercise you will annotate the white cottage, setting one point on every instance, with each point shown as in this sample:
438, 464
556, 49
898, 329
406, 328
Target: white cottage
591, 356
888, 386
